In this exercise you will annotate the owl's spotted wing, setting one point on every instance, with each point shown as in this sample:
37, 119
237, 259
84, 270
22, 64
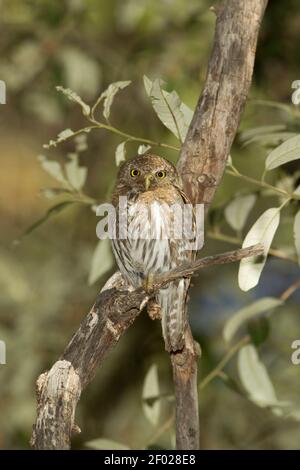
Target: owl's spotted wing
172, 299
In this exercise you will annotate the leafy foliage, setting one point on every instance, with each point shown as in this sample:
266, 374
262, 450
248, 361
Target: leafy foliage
174, 114
83, 46
263, 232
245, 314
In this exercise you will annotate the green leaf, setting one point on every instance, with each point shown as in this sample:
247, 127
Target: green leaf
72, 96
245, 314
286, 152
174, 114
297, 234
80, 143
274, 104
254, 377
108, 95
263, 232
257, 383
102, 260
297, 191
120, 155
64, 135
150, 391
105, 444
81, 70
258, 329
53, 168
76, 174
50, 212
270, 140
266, 135
256, 131
229, 161
231, 383
143, 149
50, 193
237, 211
147, 84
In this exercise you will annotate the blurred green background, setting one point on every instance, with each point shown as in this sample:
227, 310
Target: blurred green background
85, 45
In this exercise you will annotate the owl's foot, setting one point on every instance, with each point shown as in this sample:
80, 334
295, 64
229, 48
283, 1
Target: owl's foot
148, 282
154, 310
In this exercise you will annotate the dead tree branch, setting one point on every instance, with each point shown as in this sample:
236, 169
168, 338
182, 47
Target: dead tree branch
203, 158
114, 310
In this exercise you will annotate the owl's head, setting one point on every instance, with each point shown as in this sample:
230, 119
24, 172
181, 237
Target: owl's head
147, 172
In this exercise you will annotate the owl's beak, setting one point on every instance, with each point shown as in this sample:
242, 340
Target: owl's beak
148, 179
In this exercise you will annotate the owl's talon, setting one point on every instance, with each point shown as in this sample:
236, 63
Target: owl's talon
148, 282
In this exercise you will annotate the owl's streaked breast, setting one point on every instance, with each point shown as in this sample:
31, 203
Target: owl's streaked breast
147, 246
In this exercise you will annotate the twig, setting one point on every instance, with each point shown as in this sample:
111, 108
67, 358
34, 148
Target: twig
220, 366
237, 241
190, 269
290, 290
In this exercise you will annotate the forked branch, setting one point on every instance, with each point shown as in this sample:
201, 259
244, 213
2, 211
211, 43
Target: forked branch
115, 309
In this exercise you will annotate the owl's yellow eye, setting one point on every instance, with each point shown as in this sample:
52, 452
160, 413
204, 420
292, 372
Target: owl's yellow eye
161, 174
134, 172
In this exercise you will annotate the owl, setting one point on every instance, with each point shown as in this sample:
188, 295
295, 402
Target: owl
147, 194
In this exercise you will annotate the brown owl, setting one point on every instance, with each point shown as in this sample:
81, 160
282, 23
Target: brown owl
150, 188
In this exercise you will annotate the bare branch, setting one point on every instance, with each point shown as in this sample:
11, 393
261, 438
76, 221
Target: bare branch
115, 309
203, 158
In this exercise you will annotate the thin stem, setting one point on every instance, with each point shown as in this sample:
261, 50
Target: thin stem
220, 366
132, 138
290, 290
161, 430
262, 184
234, 172
237, 241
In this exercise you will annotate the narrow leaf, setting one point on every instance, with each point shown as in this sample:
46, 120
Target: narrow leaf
120, 155
147, 84
255, 131
52, 211
297, 234
255, 378
72, 96
80, 143
50, 193
286, 152
76, 174
272, 139
246, 313
53, 168
174, 114
108, 95
143, 149
105, 444
151, 390
263, 232
64, 135
102, 260
236, 213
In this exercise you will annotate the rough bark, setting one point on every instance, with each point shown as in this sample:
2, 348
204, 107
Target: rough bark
203, 158
206, 148
201, 164
115, 309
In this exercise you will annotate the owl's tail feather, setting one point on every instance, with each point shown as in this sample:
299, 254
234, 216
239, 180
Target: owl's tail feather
172, 300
